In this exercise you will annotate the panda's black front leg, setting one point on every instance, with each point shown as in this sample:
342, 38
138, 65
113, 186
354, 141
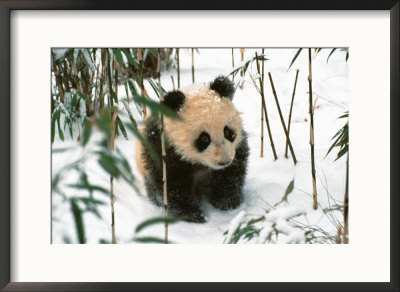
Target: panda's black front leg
182, 202
227, 183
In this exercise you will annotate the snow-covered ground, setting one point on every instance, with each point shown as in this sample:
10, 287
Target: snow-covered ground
267, 179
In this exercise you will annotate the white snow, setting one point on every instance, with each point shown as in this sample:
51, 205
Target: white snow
285, 213
234, 225
266, 179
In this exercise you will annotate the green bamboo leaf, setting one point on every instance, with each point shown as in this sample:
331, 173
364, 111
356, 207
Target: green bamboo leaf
107, 163
72, 108
89, 201
133, 121
121, 127
153, 154
295, 57
330, 54
89, 187
155, 86
289, 189
120, 60
131, 60
149, 239
134, 93
53, 124
77, 213
113, 95
126, 90
60, 132
153, 221
87, 131
82, 96
135, 76
60, 150
342, 152
345, 115
157, 107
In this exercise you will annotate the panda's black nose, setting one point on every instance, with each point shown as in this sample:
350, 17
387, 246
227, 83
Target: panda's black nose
224, 163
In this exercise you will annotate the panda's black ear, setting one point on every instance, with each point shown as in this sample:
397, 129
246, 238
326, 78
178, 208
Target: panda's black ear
174, 100
223, 86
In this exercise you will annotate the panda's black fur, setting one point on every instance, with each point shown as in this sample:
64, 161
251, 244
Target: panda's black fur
188, 182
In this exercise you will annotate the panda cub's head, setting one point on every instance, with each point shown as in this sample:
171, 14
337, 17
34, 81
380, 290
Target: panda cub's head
211, 127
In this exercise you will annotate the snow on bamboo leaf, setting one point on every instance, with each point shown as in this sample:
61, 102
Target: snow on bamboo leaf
234, 226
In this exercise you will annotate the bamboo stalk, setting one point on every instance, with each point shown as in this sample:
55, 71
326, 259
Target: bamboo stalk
141, 85
173, 83
264, 110
262, 107
282, 120
314, 183
192, 65
233, 64
113, 237
109, 87
241, 69
262, 129
346, 206
116, 67
95, 89
164, 155
102, 81
339, 236
290, 111
178, 68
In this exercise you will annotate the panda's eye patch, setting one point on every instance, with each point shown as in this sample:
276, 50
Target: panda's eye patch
229, 134
202, 141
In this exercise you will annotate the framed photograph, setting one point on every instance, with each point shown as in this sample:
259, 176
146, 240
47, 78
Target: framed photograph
199, 146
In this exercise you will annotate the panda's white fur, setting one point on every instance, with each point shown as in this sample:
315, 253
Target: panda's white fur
204, 110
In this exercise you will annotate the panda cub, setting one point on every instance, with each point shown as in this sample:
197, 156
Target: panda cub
206, 151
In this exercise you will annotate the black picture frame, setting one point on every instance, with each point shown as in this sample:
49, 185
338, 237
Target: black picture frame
6, 6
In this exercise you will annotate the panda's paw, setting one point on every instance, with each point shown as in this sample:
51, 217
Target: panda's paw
194, 216
228, 203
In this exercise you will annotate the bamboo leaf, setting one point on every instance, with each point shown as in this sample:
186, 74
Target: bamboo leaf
131, 60
113, 95
153, 154
89, 187
87, 131
133, 121
121, 127
134, 93
295, 57
77, 213
120, 60
289, 189
53, 124
330, 54
155, 87
157, 107
153, 221
149, 239
342, 152
60, 132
